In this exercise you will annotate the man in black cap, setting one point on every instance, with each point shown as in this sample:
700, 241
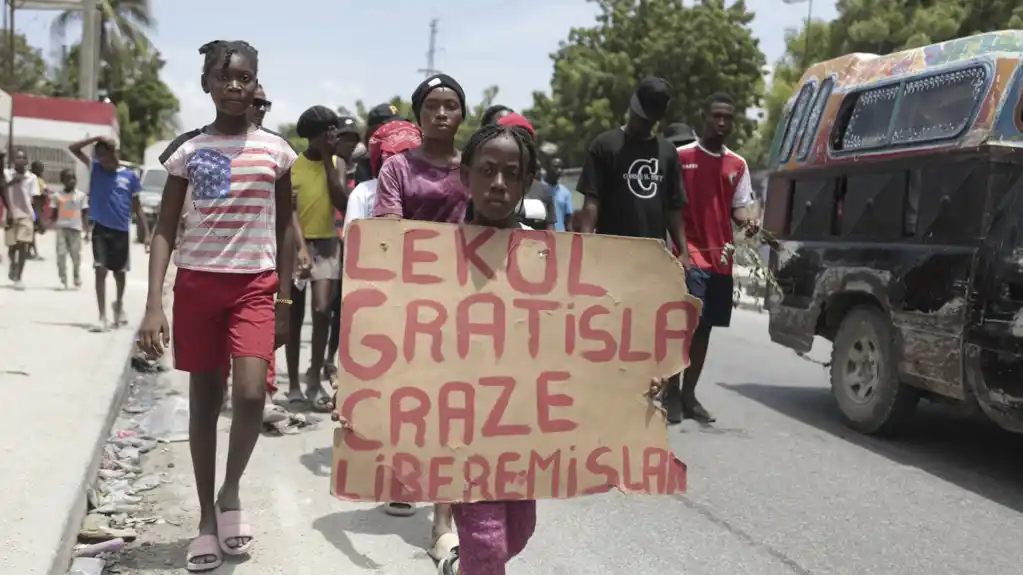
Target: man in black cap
632, 179
377, 116
348, 138
319, 189
679, 135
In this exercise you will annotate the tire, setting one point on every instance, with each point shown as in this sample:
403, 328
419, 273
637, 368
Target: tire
864, 374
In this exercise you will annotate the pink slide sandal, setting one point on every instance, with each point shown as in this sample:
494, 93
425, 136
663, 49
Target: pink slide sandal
203, 547
232, 525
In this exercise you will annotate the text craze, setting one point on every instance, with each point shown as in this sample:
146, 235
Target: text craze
484, 364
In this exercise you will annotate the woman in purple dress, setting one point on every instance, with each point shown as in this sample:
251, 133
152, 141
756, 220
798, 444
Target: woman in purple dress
424, 184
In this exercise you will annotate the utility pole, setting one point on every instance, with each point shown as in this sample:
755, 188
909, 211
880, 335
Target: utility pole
806, 33
88, 51
431, 54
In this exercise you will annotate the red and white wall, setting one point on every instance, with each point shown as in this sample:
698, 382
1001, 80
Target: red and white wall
45, 127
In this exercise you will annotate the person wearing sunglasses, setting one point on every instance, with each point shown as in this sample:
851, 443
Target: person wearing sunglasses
260, 107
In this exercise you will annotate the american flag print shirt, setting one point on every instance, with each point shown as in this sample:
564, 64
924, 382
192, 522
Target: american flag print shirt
230, 211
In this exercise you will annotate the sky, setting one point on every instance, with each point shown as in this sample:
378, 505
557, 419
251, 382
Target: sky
334, 52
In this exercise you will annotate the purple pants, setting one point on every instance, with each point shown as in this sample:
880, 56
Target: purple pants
490, 533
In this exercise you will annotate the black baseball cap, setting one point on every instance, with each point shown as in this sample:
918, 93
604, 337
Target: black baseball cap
315, 121
679, 134
380, 115
347, 125
651, 99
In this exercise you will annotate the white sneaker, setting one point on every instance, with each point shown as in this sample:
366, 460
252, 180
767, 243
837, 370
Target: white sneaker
18, 285
449, 565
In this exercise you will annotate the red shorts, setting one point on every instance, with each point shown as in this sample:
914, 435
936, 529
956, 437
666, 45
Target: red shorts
222, 315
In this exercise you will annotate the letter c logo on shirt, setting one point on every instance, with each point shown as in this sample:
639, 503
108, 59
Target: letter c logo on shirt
642, 178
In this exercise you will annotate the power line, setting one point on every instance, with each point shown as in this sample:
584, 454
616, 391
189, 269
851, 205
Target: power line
431, 53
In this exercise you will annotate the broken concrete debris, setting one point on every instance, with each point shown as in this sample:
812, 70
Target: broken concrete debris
87, 566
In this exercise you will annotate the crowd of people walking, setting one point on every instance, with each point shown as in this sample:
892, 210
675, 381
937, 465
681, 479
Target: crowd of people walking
256, 230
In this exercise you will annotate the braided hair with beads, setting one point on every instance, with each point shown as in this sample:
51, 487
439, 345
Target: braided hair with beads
528, 154
222, 50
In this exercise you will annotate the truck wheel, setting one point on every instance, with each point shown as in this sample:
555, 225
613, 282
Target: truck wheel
864, 374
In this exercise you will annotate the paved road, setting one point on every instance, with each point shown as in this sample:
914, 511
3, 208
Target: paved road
60, 382
778, 487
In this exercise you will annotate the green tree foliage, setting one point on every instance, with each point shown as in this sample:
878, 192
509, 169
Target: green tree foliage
151, 108
880, 27
129, 72
146, 107
699, 48
123, 28
786, 74
29, 66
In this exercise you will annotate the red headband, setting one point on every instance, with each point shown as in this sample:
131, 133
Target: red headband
519, 120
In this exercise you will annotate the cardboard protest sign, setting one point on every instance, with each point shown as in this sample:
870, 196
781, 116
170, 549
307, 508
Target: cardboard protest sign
484, 364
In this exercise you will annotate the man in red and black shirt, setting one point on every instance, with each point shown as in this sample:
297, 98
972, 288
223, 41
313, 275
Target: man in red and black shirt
719, 192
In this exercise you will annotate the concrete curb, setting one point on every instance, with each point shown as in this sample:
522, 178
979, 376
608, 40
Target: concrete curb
76, 514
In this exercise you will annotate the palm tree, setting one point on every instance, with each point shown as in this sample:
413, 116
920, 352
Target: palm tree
123, 27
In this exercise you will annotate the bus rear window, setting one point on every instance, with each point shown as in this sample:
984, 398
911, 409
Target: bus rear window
939, 107
799, 110
867, 119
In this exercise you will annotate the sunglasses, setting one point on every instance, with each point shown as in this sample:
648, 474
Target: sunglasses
263, 105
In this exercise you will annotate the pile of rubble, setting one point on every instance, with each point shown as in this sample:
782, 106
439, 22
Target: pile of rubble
116, 505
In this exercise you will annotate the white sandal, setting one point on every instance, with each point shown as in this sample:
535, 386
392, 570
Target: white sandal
444, 546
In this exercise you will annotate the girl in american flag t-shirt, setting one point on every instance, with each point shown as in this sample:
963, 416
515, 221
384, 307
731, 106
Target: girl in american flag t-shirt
233, 285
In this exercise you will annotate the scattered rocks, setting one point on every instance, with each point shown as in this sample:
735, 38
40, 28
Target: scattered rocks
290, 424
87, 566
116, 506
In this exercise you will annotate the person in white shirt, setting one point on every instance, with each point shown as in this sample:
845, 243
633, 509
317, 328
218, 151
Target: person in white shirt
389, 139
19, 191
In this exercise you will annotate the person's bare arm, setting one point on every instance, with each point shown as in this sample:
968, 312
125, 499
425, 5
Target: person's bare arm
591, 185
390, 196
77, 149
588, 215
336, 183
677, 232
165, 238
285, 231
741, 213
296, 225
675, 200
140, 216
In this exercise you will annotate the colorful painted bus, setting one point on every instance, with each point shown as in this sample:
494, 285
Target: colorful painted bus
896, 198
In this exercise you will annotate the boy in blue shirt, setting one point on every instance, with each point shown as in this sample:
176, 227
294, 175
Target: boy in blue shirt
113, 196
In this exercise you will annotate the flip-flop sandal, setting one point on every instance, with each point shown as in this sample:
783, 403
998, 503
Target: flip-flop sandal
399, 509
275, 413
232, 525
294, 397
450, 565
203, 546
322, 403
444, 546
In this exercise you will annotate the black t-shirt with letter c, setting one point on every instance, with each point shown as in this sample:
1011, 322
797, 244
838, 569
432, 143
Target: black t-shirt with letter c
636, 180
